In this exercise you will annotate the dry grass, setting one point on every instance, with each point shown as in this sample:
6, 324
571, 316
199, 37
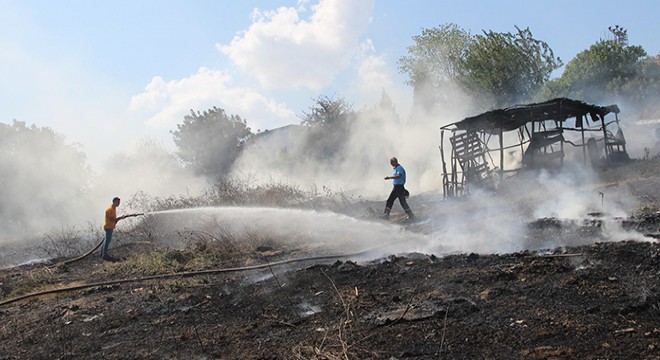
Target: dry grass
230, 192
32, 280
211, 247
158, 261
338, 342
634, 168
70, 241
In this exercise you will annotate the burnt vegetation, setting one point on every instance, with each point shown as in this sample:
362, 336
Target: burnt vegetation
213, 292
281, 301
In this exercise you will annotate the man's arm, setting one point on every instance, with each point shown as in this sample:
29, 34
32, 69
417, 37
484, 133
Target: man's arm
127, 216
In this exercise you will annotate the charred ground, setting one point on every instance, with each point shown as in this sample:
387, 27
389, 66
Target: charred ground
600, 300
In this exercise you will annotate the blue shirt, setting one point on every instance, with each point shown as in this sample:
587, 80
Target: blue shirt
401, 180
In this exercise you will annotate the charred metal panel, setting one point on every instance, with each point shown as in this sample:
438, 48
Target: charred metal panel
516, 116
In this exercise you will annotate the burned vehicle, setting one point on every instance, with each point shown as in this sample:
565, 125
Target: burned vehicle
488, 147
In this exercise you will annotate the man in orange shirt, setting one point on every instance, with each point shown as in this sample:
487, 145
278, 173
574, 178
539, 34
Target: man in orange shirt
111, 220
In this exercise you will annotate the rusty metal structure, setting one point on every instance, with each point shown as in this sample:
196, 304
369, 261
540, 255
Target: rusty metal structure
538, 133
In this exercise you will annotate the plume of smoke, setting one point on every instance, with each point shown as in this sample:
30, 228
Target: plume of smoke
499, 221
147, 168
359, 167
50, 189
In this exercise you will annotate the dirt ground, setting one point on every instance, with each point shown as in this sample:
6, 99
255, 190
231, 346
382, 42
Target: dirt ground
599, 300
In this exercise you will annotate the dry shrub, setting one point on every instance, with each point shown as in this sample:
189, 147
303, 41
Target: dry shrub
277, 194
227, 192
217, 238
334, 200
144, 202
239, 192
138, 229
646, 209
70, 241
232, 192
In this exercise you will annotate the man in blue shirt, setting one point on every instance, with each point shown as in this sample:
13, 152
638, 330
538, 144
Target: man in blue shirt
398, 191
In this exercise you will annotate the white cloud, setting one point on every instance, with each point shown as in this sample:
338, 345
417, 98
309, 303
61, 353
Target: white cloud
373, 76
283, 51
207, 88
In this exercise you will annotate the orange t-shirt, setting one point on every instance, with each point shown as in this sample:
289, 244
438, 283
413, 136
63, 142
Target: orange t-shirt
110, 218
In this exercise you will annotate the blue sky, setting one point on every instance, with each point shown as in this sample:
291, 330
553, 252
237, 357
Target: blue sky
107, 73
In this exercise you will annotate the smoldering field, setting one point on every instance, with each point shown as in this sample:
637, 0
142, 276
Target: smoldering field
277, 190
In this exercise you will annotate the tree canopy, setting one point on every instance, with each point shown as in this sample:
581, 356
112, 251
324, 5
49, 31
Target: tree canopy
328, 119
211, 141
496, 69
608, 69
436, 62
327, 112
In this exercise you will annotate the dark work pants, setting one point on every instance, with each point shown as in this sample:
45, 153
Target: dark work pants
398, 192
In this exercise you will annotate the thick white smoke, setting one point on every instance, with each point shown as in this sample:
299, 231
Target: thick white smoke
50, 197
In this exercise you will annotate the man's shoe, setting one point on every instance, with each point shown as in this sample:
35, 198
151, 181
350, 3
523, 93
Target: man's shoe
110, 258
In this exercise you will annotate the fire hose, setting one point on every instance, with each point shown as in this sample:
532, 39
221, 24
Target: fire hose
184, 274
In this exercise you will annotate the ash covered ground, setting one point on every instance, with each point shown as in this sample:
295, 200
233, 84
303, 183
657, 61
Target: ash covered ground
566, 289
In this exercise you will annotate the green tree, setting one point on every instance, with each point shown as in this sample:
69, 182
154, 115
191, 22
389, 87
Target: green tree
211, 141
436, 62
608, 69
497, 69
328, 122
649, 84
327, 113
508, 68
